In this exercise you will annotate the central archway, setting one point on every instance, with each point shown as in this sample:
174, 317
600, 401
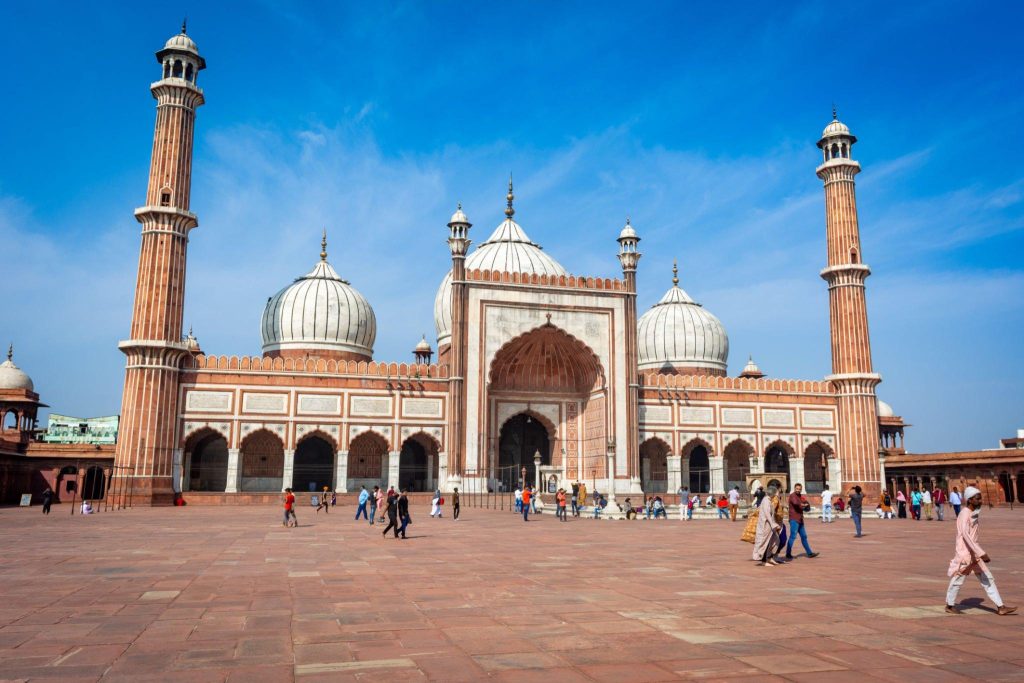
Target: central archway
522, 437
548, 366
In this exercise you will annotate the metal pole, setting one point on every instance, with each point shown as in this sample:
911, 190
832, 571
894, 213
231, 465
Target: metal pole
74, 499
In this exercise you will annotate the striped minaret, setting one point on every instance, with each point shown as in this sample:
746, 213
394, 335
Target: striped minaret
146, 447
852, 373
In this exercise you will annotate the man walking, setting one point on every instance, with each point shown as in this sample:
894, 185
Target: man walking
392, 513
364, 496
734, 502
374, 500
582, 497
826, 505
970, 558
527, 495
939, 498
403, 512
797, 504
856, 508
915, 505
685, 509
955, 501
455, 504
47, 500
575, 499
289, 509
926, 503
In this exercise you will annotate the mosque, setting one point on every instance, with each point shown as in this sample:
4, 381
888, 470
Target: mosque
540, 375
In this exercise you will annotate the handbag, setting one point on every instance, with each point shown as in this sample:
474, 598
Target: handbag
440, 501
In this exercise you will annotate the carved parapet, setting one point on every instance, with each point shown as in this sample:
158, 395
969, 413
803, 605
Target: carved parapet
316, 366
545, 280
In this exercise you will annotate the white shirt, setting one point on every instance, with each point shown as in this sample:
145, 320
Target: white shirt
954, 498
826, 497
519, 494
926, 497
734, 497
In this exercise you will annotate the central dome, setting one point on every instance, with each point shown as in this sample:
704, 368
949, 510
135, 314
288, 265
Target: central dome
679, 336
319, 315
508, 249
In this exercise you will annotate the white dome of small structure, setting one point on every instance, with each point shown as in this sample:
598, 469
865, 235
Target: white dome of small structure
181, 42
884, 409
423, 346
459, 216
678, 335
508, 249
835, 127
627, 231
319, 314
751, 370
13, 377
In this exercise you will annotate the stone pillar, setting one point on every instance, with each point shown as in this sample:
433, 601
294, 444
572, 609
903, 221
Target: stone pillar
341, 472
442, 472
717, 466
430, 473
684, 472
177, 470
234, 471
835, 475
393, 459
288, 475
674, 475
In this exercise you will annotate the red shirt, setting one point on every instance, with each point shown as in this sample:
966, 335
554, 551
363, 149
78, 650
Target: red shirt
796, 507
526, 496
723, 503
289, 500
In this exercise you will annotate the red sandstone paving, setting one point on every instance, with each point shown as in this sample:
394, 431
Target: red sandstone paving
227, 594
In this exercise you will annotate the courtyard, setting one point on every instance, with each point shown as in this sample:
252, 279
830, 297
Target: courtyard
228, 594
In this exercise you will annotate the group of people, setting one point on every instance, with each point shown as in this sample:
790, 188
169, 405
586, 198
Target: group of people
929, 504
393, 506
765, 525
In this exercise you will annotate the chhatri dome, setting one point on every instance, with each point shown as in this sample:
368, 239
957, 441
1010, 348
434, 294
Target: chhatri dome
13, 377
678, 335
319, 315
507, 249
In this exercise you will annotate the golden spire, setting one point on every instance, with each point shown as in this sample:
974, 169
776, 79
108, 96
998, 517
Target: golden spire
509, 211
675, 273
323, 246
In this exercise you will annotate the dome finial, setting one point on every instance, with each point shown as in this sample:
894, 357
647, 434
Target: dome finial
835, 116
323, 246
10, 351
184, 25
509, 211
675, 273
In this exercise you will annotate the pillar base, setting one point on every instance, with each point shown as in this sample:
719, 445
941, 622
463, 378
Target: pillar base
141, 491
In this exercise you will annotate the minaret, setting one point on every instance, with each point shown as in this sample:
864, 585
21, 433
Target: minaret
146, 443
629, 256
852, 372
458, 244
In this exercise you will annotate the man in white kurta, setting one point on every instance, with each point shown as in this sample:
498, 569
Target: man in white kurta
970, 557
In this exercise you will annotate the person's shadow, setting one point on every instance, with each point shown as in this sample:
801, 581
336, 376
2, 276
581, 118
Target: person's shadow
976, 603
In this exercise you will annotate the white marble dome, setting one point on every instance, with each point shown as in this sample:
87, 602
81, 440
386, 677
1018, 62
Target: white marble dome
677, 334
319, 312
835, 127
13, 377
507, 249
883, 409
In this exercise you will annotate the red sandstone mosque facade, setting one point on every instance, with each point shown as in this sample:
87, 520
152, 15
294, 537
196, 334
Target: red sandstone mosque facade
539, 374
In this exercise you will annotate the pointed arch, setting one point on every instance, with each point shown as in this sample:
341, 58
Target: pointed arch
206, 459
320, 434
736, 460
815, 466
654, 454
367, 455
546, 359
262, 461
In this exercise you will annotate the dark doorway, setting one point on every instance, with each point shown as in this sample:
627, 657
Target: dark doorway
412, 467
700, 470
1006, 484
522, 437
95, 486
313, 468
208, 464
777, 461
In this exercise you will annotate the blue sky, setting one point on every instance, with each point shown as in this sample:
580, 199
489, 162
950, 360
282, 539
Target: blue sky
374, 119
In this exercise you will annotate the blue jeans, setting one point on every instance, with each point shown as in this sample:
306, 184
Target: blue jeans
723, 513
361, 510
795, 528
405, 523
956, 510
373, 511
856, 520
526, 513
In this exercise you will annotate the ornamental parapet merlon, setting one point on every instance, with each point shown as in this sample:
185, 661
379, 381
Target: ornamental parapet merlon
545, 280
319, 366
655, 381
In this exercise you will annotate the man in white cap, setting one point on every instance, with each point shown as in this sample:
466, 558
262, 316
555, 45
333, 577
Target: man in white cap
970, 557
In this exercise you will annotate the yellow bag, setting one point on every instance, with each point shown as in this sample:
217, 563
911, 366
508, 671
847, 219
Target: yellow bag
750, 530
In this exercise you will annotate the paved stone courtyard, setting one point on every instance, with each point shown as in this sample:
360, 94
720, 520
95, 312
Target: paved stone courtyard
226, 594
